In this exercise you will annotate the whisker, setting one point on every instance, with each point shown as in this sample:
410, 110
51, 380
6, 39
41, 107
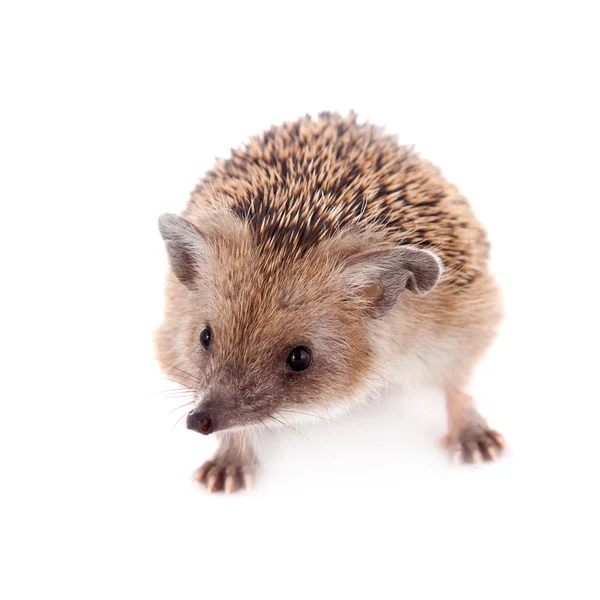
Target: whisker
182, 385
179, 420
192, 377
381, 377
174, 389
333, 423
298, 412
289, 427
178, 398
267, 428
182, 406
173, 392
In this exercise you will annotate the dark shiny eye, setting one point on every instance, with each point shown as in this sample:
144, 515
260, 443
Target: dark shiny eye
206, 337
299, 359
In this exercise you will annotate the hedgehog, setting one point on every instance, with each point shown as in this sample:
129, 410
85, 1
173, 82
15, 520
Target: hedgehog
318, 265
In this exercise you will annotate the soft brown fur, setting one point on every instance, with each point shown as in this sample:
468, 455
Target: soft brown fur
282, 220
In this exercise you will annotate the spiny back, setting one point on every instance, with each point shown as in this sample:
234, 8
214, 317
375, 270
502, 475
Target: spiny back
301, 182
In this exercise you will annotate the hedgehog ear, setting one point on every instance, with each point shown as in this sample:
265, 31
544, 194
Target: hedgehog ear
185, 246
379, 277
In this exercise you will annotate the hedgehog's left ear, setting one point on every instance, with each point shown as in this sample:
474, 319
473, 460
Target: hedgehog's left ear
186, 248
379, 277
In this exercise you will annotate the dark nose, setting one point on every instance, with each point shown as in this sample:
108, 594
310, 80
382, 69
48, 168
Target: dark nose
200, 422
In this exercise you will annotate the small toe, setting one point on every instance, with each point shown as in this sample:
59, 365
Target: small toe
457, 454
497, 438
201, 472
229, 484
247, 479
472, 453
487, 450
211, 483
215, 479
232, 480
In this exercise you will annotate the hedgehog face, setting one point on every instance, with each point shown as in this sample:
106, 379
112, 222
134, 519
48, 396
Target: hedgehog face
270, 336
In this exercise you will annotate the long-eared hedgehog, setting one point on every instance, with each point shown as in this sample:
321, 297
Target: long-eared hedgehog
315, 266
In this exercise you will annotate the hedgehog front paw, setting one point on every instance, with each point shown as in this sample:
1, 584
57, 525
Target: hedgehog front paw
474, 445
224, 475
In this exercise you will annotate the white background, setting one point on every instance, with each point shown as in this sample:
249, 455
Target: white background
110, 112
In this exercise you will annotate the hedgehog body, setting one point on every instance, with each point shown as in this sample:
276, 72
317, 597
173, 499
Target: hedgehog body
313, 268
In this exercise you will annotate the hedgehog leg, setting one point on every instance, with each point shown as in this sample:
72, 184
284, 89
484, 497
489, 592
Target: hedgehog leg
469, 438
232, 467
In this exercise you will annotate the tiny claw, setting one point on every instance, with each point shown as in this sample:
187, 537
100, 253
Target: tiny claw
211, 483
491, 453
476, 457
203, 471
229, 484
498, 439
247, 477
457, 456
472, 453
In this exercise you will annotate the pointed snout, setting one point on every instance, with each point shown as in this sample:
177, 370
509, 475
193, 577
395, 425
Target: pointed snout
200, 421
220, 409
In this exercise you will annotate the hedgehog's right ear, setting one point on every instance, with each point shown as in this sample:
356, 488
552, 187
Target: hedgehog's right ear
186, 248
378, 277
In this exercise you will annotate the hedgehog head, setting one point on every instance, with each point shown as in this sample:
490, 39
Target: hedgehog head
270, 334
